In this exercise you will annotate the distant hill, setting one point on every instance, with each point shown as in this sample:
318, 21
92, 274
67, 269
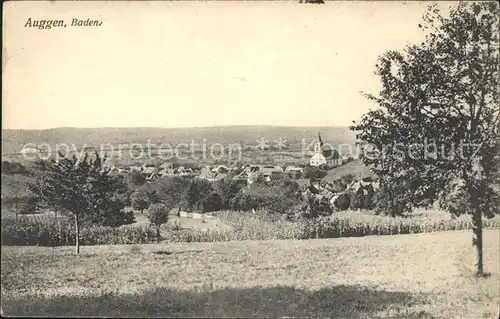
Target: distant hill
13, 141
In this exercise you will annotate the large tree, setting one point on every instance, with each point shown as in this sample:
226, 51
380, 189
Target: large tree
84, 189
437, 120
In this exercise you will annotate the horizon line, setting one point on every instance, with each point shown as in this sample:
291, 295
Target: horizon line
173, 128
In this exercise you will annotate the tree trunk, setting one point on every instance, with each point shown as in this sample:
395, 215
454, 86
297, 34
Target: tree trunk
16, 207
477, 240
158, 235
77, 225
58, 229
475, 190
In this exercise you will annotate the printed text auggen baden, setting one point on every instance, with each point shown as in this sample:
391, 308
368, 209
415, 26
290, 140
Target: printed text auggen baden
46, 24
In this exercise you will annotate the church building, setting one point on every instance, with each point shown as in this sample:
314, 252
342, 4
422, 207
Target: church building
324, 155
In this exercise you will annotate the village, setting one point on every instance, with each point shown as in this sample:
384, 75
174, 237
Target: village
323, 159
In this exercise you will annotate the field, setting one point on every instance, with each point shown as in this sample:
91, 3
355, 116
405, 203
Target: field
405, 276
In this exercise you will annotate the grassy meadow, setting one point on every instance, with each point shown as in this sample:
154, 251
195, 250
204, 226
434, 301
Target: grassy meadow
404, 276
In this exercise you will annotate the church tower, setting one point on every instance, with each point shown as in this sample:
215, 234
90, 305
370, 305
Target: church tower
318, 145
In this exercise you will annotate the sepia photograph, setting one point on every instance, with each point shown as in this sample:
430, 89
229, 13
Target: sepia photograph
251, 159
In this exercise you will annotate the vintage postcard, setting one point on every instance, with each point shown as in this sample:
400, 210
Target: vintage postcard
306, 159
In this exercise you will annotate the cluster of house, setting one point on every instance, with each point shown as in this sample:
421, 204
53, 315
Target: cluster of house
322, 155
331, 191
152, 171
248, 173
251, 173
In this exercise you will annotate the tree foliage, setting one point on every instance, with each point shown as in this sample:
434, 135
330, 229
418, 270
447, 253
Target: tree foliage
136, 178
29, 205
194, 192
158, 215
153, 197
312, 172
343, 202
228, 189
169, 188
276, 196
140, 201
211, 203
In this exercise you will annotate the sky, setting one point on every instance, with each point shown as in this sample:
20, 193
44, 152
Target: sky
185, 64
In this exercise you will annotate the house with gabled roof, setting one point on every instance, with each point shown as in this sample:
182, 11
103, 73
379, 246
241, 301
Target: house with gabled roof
324, 155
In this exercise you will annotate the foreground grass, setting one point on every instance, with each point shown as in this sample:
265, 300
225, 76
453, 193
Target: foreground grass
406, 276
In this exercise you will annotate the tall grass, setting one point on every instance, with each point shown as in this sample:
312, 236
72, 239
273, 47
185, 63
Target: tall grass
46, 231
264, 226
355, 224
